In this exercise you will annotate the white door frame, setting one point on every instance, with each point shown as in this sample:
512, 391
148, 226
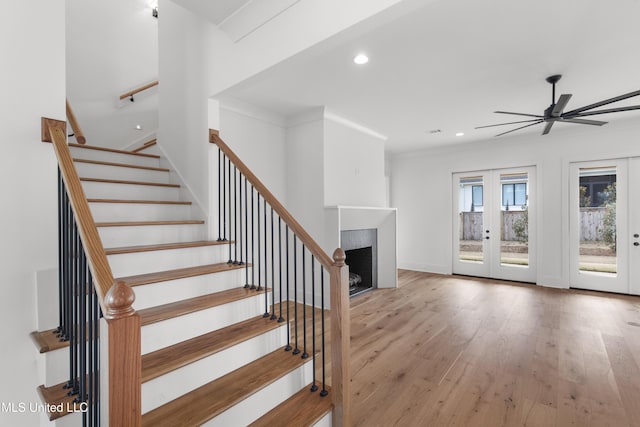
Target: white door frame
491, 265
618, 282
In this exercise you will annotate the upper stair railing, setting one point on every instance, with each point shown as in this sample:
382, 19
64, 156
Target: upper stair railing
137, 90
75, 126
87, 294
288, 261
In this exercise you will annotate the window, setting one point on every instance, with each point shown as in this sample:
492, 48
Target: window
514, 194
476, 195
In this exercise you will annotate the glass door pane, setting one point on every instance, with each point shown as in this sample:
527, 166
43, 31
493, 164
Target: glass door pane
597, 220
514, 219
471, 219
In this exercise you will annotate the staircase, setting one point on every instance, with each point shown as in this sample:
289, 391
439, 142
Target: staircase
213, 352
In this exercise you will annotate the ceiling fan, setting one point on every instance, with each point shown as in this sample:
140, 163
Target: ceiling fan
555, 112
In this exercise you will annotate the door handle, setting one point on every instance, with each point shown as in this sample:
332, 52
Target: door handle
636, 235
488, 238
636, 244
486, 231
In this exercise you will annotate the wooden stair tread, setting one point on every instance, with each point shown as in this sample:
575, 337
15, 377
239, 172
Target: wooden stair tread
113, 150
191, 305
118, 181
121, 165
303, 409
181, 354
164, 246
148, 202
48, 340
139, 223
55, 396
210, 400
179, 273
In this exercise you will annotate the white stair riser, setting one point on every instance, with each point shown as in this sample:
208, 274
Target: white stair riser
160, 293
108, 156
71, 420
123, 173
56, 365
174, 384
113, 237
107, 190
261, 402
153, 261
325, 421
181, 328
109, 212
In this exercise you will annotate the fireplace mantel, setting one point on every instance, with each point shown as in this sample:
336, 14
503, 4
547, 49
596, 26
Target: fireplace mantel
344, 218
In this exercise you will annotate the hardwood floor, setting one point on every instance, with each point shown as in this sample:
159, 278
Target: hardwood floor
450, 350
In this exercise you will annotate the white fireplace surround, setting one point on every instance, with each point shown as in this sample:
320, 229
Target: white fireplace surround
384, 220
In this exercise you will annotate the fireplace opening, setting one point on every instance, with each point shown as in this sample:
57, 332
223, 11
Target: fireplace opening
360, 262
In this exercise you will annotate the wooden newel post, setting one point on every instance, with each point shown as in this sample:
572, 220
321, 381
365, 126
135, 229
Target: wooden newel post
340, 341
125, 363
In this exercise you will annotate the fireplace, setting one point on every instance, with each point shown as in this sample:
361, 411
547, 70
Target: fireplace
360, 247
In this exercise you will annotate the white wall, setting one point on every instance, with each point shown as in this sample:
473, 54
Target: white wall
258, 137
182, 107
305, 168
353, 166
421, 190
32, 42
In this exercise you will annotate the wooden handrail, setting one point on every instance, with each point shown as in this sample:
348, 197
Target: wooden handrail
339, 291
116, 299
75, 126
139, 89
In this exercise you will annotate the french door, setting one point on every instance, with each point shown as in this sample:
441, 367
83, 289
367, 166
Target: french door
605, 225
494, 224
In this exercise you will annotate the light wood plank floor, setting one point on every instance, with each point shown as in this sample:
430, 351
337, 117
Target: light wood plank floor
443, 350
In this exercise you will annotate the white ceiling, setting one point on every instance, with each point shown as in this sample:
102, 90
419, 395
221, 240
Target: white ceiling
450, 64
216, 11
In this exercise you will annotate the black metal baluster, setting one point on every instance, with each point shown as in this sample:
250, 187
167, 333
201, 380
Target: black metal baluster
224, 198
314, 386
273, 269
304, 305
60, 252
295, 293
280, 318
230, 225
253, 265
219, 196
259, 288
73, 345
90, 355
96, 363
246, 234
240, 241
82, 323
324, 391
235, 216
288, 347
266, 264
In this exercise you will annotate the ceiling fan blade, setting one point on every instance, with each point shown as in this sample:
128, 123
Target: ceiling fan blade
518, 114
521, 127
605, 111
559, 107
510, 123
584, 122
605, 102
547, 128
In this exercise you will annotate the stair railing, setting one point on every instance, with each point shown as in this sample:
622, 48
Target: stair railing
75, 126
87, 294
280, 256
137, 90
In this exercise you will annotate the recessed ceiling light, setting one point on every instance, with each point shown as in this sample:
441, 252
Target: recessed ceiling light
460, 134
138, 127
361, 59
